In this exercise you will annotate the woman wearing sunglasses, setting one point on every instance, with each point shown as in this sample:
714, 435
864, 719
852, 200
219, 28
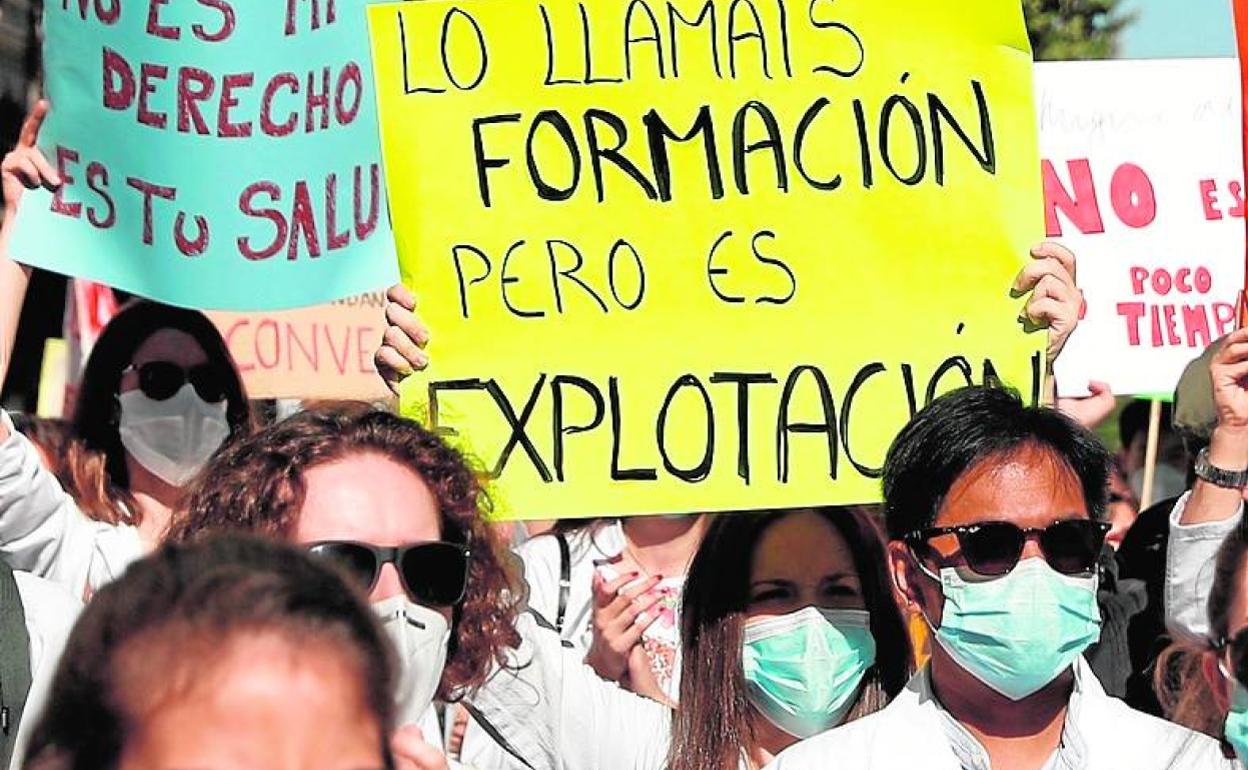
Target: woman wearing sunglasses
159, 395
400, 513
993, 513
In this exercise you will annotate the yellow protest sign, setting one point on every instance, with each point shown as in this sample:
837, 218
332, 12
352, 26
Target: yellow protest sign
697, 255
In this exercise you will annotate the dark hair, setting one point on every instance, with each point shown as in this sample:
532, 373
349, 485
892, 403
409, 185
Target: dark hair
1133, 419
257, 485
97, 461
168, 619
966, 426
716, 597
1180, 684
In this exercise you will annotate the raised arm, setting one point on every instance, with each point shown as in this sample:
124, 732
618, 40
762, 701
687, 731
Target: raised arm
23, 168
1202, 518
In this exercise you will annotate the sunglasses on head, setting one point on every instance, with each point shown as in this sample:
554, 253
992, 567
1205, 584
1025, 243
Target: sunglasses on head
993, 548
161, 380
433, 573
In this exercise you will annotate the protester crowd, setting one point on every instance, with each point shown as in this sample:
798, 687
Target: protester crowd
185, 586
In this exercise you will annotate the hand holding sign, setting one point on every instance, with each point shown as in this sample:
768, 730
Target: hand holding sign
25, 167
403, 344
1053, 303
1229, 373
1055, 299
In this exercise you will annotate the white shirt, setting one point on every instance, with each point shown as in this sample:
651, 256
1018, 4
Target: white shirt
559, 715
598, 547
50, 614
42, 530
914, 731
1191, 552
589, 547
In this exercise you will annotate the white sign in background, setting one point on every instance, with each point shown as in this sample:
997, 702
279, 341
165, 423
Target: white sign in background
1144, 174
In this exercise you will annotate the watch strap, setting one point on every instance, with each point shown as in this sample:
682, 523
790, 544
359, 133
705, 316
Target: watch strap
1220, 477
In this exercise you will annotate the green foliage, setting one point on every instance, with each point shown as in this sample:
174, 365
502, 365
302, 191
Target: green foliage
1074, 29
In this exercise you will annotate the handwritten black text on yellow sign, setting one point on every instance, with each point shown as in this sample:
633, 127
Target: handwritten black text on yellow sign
688, 255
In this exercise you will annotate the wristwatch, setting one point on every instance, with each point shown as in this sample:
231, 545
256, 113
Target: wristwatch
1220, 477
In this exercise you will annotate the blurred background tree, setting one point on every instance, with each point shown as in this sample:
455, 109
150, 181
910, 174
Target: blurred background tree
1075, 29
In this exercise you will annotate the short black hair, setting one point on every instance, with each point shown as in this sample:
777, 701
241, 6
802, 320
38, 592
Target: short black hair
958, 430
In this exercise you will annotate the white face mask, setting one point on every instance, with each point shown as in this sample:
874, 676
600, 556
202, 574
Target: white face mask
420, 637
174, 438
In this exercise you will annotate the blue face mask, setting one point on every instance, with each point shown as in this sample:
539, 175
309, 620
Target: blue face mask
1018, 632
803, 670
1236, 727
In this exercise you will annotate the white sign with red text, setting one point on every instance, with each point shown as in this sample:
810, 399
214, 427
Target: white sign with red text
1143, 178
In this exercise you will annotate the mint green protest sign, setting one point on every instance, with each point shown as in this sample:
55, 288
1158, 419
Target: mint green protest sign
220, 154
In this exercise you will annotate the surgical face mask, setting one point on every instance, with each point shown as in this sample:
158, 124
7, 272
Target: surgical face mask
174, 438
803, 670
1236, 727
420, 637
1018, 632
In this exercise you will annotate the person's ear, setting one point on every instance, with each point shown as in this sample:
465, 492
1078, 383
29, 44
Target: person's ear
1218, 684
914, 588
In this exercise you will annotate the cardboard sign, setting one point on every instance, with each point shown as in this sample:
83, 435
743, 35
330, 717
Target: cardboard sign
704, 255
216, 154
1143, 175
323, 352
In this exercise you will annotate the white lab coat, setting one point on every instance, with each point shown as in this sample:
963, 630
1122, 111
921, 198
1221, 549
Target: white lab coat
601, 543
588, 547
50, 615
559, 715
1190, 556
1101, 733
591, 545
42, 530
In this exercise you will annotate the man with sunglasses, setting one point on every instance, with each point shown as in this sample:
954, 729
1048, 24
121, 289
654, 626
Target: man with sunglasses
991, 508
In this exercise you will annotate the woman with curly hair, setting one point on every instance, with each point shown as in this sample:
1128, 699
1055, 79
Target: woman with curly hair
400, 512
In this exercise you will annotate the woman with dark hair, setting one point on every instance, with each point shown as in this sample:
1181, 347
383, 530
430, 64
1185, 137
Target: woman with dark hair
401, 512
788, 628
805, 597
159, 395
195, 656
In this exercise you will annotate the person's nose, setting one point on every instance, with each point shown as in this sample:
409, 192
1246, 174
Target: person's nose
388, 584
1031, 550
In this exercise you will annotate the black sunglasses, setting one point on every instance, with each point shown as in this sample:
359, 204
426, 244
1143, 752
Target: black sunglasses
992, 548
161, 380
434, 573
1236, 651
